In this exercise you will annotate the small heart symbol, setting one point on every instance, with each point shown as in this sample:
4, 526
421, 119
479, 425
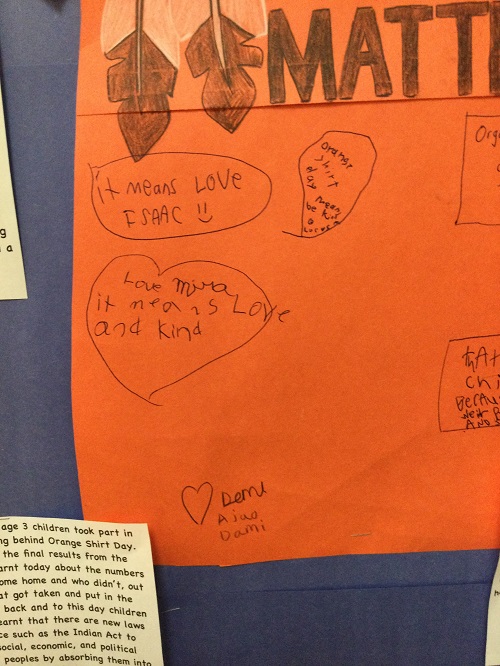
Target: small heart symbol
153, 328
197, 501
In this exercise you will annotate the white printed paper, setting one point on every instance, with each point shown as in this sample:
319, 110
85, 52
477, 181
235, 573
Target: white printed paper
77, 592
493, 633
12, 278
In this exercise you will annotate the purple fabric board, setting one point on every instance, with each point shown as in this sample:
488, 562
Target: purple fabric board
415, 609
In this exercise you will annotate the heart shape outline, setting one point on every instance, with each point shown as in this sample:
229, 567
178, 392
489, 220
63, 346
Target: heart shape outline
191, 511
160, 273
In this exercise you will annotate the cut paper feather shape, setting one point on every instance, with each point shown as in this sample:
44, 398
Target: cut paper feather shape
218, 31
141, 35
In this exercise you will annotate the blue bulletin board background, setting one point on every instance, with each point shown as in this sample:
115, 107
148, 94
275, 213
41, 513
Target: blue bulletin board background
414, 609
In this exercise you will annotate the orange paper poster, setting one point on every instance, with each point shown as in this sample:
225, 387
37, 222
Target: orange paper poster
286, 339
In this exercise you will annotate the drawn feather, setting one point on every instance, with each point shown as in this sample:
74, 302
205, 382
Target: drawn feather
219, 30
250, 15
141, 35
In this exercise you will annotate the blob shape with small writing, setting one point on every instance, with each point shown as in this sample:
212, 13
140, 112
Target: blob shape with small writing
334, 172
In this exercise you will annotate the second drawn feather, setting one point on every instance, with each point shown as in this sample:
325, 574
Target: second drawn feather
218, 49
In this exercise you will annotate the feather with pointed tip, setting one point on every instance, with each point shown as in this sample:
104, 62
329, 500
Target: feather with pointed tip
141, 35
218, 48
188, 15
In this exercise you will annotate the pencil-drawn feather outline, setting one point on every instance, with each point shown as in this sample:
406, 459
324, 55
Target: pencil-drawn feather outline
141, 35
250, 15
218, 32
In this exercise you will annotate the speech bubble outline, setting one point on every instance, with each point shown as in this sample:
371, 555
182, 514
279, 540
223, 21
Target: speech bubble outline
327, 208
140, 168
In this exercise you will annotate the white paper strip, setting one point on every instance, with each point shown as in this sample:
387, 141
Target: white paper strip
12, 278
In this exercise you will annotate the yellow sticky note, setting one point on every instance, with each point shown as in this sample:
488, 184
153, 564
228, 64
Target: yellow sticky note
12, 278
